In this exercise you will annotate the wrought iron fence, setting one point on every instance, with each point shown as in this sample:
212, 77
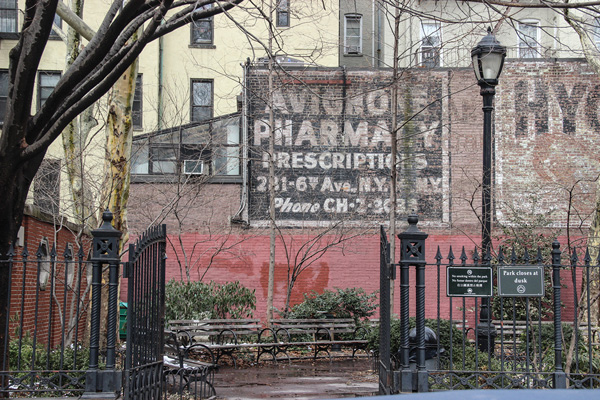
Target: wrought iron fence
46, 327
53, 327
540, 331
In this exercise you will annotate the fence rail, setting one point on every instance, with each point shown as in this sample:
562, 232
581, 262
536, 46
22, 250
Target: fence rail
53, 327
46, 328
540, 329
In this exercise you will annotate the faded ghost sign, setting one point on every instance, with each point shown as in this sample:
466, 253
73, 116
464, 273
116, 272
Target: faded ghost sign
333, 146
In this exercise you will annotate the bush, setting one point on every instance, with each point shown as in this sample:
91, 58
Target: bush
21, 358
580, 361
199, 300
341, 303
443, 337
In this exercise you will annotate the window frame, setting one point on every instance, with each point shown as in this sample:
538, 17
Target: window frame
525, 50
282, 8
137, 106
194, 106
437, 34
5, 11
359, 18
40, 87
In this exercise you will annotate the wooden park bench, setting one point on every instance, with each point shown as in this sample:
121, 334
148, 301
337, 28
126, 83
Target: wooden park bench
320, 334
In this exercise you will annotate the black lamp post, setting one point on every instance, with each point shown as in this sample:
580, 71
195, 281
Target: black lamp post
488, 59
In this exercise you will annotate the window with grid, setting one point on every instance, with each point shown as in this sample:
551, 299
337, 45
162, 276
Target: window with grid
431, 41
529, 39
8, 16
283, 13
137, 107
47, 81
202, 100
352, 34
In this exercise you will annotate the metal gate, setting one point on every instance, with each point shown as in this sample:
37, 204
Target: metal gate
472, 321
145, 273
385, 371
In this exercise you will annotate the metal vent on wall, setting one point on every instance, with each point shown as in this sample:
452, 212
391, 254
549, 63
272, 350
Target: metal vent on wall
193, 167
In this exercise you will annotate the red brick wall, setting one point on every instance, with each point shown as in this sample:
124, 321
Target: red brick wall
38, 312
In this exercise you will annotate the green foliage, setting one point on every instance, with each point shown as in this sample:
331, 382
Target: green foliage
442, 332
341, 303
581, 356
72, 358
199, 300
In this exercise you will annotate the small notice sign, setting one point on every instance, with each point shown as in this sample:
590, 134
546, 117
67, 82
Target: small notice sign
469, 281
521, 281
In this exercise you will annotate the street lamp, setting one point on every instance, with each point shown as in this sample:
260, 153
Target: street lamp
488, 59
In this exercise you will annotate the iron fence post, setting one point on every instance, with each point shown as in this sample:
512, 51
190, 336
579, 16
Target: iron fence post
560, 378
412, 252
105, 250
385, 272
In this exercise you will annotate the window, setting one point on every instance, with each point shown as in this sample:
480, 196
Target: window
8, 16
202, 31
202, 100
3, 94
58, 23
44, 267
46, 83
208, 148
46, 190
137, 107
352, 34
283, 13
431, 40
596, 32
529, 40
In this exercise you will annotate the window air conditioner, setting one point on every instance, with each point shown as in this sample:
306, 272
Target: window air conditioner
193, 167
352, 50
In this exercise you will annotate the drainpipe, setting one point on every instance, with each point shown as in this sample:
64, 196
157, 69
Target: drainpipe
239, 217
160, 82
378, 8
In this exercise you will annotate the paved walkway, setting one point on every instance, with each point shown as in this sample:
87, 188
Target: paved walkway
299, 380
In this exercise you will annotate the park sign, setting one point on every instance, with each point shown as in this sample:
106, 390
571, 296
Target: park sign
469, 281
521, 281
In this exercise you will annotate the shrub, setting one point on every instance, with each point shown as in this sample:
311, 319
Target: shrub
199, 300
443, 336
21, 358
341, 303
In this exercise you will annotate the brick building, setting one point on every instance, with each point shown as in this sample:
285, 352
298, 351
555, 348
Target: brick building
332, 145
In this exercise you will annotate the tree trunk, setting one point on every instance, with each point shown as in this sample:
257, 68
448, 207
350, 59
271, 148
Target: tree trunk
115, 188
15, 181
74, 137
272, 225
